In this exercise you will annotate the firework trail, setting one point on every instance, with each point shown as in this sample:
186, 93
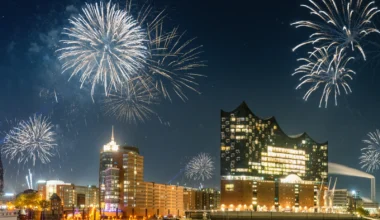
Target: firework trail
173, 62
370, 158
341, 23
132, 104
172, 59
325, 70
30, 140
104, 45
200, 167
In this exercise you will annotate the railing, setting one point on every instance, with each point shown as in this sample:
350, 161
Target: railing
8, 214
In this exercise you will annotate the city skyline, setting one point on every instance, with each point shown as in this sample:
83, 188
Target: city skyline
250, 59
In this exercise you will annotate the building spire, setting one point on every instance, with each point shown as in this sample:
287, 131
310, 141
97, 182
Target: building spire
112, 137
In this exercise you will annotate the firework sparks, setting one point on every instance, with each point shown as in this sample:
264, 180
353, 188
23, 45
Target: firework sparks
105, 46
370, 158
200, 167
173, 62
30, 140
132, 104
322, 69
343, 24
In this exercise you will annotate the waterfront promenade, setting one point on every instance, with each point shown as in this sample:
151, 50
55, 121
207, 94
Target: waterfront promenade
232, 215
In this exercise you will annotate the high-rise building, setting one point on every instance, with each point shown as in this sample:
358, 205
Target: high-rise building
123, 190
121, 170
262, 168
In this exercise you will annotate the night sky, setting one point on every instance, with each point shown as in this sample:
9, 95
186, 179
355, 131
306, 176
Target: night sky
247, 45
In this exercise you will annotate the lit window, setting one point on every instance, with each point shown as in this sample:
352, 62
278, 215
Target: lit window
229, 187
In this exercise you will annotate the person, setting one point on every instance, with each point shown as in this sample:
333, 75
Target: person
21, 214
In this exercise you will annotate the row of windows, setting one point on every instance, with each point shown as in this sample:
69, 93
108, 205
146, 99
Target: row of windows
281, 160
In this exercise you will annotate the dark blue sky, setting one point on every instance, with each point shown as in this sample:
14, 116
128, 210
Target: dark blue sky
248, 48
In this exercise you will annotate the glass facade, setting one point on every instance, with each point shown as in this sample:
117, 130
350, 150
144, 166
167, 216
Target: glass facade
258, 148
112, 191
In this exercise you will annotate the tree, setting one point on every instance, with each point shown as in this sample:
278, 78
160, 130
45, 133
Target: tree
44, 204
362, 211
29, 200
10, 205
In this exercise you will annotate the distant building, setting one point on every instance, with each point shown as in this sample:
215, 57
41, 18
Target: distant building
341, 201
371, 207
201, 199
5, 198
264, 169
70, 194
207, 199
189, 198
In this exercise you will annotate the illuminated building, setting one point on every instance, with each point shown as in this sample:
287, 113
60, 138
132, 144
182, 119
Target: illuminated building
121, 170
340, 200
189, 198
123, 190
264, 169
207, 199
201, 199
70, 194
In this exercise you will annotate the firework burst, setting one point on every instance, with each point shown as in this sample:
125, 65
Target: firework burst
30, 140
200, 167
134, 103
104, 45
322, 69
370, 158
341, 23
173, 62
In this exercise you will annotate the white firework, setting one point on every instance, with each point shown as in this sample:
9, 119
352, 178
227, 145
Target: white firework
134, 102
173, 62
30, 140
341, 23
200, 167
329, 71
370, 158
104, 45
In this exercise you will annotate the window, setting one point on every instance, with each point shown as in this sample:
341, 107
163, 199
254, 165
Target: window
229, 187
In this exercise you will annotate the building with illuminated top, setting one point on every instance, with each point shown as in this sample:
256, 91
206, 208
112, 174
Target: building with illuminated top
121, 169
264, 169
123, 191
